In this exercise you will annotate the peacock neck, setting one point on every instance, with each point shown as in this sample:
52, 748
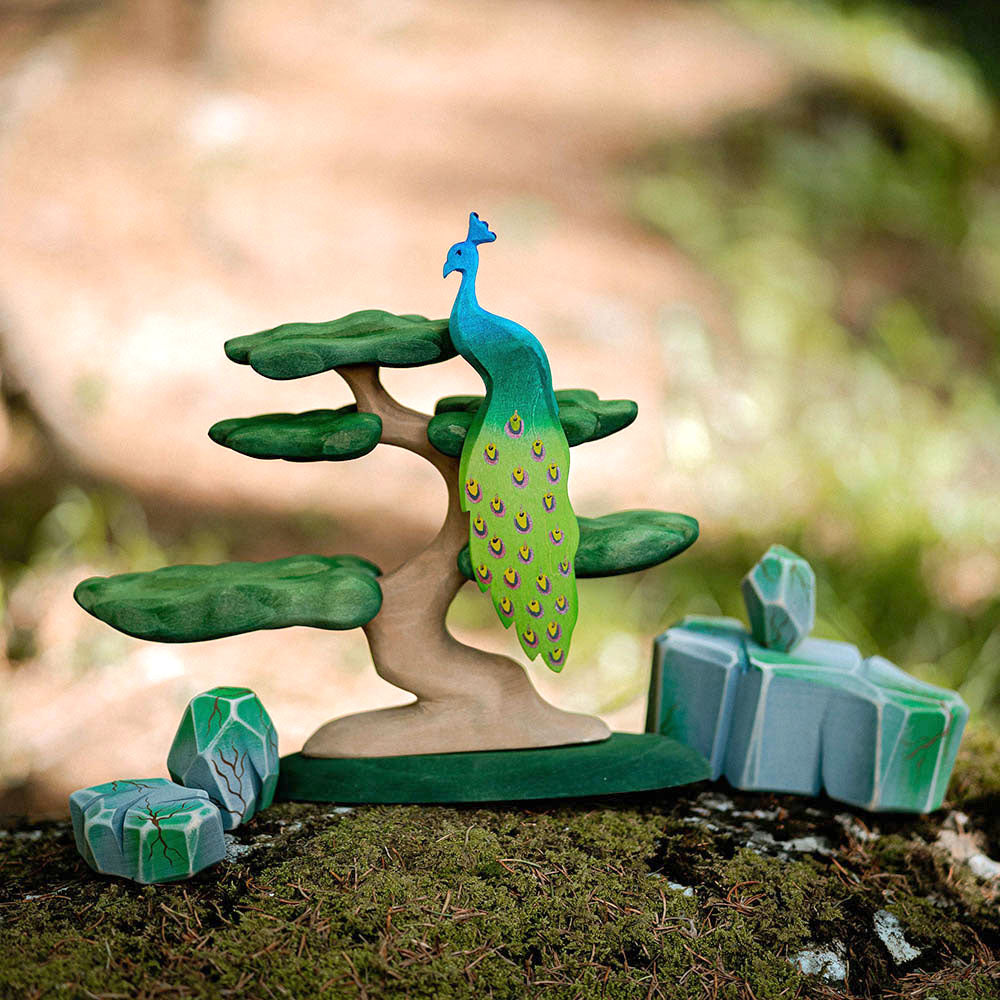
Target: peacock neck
466, 301
502, 352
467, 328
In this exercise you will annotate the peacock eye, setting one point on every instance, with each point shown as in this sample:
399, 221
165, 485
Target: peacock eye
458, 253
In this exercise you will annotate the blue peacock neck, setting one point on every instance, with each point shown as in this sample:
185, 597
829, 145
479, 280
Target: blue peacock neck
465, 300
468, 332
501, 351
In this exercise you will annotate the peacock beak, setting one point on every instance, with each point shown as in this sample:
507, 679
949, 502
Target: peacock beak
448, 268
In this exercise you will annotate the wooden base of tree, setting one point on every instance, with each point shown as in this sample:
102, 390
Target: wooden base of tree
623, 763
522, 722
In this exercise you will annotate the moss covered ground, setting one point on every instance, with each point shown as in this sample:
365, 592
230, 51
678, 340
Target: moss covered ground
701, 892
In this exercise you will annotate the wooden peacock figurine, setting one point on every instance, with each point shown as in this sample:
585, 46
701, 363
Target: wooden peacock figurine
514, 471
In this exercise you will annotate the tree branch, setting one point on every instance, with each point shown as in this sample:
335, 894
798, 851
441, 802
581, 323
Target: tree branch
401, 426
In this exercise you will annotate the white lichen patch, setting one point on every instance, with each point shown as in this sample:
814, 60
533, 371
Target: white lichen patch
235, 849
890, 932
761, 842
967, 847
984, 867
830, 963
684, 890
854, 828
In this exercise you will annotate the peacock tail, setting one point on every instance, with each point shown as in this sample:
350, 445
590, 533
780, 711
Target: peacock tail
523, 534
514, 471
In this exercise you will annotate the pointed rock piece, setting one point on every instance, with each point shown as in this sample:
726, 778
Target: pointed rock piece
148, 830
780, 596
226, 745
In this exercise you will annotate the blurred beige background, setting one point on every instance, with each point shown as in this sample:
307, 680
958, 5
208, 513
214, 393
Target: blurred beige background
175, 173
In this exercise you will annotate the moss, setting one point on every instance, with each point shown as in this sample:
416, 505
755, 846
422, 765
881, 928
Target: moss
560, 900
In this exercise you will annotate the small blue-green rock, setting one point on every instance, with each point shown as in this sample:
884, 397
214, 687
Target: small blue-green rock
148, 830
780, 596
227, 745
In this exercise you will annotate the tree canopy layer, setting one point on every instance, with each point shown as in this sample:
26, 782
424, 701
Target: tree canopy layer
192, 603
584, 417
624, 542
314, 436
371, 336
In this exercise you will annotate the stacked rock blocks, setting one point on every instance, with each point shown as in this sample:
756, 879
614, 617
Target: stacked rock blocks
224, 762
773, 710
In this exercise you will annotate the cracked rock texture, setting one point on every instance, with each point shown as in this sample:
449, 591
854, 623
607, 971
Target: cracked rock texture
147, 830
227, 745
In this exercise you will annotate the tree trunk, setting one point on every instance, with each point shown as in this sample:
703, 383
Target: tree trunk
467, 699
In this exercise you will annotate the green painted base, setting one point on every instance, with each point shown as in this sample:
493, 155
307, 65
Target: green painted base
626, 762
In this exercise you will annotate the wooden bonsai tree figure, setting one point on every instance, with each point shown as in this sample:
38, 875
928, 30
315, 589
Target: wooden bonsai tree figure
466, 698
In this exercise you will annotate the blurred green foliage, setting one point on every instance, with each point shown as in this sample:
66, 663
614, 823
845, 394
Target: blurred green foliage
855, 232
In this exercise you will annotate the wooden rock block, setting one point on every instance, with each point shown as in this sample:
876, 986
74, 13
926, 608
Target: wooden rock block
148, 830
227, 745
819, 717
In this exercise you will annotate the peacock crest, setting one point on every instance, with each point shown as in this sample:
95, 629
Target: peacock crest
523, 534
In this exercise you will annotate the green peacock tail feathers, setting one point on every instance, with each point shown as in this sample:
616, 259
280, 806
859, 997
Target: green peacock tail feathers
523, 534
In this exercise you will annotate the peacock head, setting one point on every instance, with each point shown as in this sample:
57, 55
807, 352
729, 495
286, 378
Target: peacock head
464, 256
